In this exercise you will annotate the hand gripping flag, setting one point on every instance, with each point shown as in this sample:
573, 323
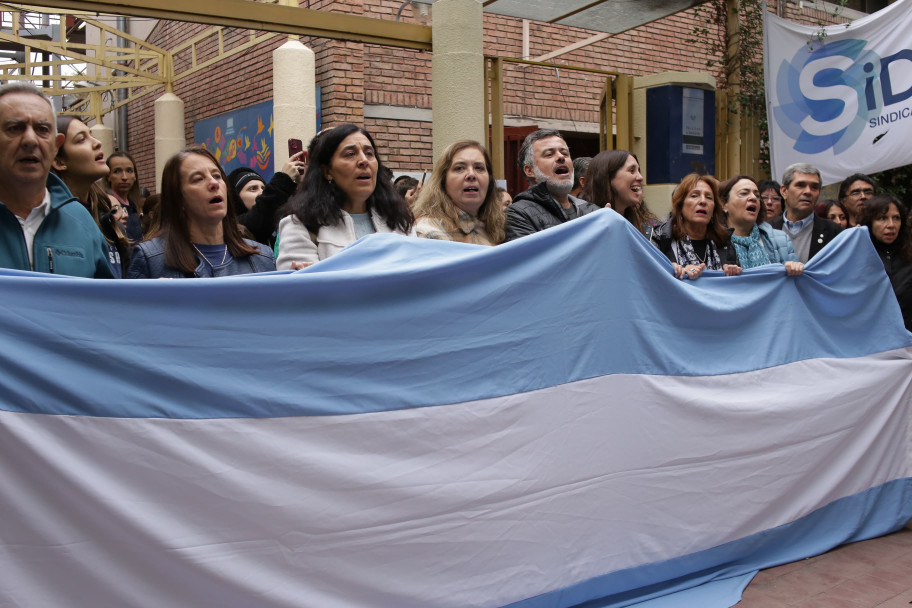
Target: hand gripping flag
545, 423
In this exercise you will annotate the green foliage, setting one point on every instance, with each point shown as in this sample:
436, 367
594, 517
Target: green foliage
710, 31
821, 34
896, 181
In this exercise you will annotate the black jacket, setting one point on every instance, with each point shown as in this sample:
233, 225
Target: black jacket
535, 210
824, 231
900, 273
260, 219
660, 236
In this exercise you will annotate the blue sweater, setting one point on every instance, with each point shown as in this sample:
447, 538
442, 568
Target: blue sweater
777, 244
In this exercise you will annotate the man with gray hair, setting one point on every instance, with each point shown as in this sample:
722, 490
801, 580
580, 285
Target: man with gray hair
43, 227
800, 191
580, 166
545, 161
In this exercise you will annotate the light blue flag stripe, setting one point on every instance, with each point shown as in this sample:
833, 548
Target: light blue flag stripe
686, 579
394, 322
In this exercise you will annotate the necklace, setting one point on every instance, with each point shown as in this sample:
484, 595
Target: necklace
224, 255
705, 251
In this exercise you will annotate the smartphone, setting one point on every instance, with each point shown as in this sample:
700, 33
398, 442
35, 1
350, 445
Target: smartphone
294, 146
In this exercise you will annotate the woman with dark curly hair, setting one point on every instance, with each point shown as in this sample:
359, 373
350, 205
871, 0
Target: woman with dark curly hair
887, 220
460, 201
614, 179
695, 237
342, 198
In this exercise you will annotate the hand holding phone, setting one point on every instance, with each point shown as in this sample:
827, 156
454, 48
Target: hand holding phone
294, 146
296, 164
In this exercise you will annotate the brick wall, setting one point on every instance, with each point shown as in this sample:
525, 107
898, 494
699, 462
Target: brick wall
353, 75
404, 145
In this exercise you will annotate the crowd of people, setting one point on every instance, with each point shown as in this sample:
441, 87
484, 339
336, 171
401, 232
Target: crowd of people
69, 210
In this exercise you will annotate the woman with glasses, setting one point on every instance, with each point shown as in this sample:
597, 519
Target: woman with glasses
771, 198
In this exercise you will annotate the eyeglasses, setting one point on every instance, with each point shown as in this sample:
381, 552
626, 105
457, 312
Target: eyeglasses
859, 192
770, 199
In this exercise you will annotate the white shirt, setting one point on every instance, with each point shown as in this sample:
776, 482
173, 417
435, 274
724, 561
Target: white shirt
32, 222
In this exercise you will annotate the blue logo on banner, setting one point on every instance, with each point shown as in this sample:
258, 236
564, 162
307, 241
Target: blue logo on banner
829, 94
821, 96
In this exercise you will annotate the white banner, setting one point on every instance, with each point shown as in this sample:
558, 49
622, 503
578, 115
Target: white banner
840, 97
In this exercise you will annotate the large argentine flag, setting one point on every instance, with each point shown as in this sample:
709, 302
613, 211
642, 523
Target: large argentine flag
420, 424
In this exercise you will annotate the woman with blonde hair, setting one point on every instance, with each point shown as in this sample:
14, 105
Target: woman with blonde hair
460, 201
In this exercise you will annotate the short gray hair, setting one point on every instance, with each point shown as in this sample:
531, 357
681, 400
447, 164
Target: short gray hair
525, 151
580, 166
791, 170
27, 87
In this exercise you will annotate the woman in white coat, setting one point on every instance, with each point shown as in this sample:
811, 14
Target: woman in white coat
343, 198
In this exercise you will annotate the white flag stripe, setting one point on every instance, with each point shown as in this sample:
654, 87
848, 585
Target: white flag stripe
475, 504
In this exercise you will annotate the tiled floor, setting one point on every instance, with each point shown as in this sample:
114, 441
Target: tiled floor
873, 573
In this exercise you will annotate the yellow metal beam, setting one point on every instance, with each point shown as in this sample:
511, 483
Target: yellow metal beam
498, 154
260, 16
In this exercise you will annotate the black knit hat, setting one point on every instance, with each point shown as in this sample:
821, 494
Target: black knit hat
240, 176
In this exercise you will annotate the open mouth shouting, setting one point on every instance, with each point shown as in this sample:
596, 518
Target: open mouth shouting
29, 159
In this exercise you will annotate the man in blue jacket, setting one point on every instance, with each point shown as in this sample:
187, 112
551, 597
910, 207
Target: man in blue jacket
42, 226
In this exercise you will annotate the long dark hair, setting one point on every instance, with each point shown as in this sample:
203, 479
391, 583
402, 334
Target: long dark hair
133, 196
822, 209
879, 205
97, 202
716, 231
318, 202
95, 196
599, 191
175, 227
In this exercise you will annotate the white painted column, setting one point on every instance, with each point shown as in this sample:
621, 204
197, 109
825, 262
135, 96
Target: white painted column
105, 135
294, 104
458, 73
169, 132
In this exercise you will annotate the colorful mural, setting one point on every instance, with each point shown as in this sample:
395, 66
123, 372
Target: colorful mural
242, 138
